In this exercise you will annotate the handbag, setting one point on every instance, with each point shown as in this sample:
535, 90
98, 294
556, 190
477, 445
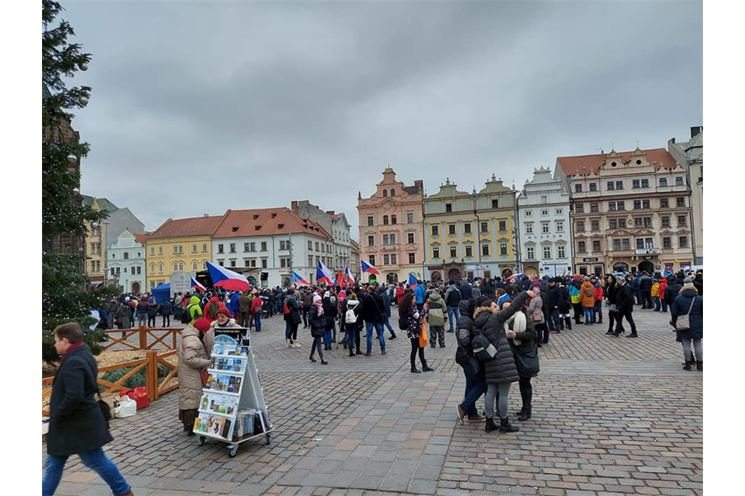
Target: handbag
423, 338
527, 362
537, 315
105, 409
204, 375
403, 323
483, 350
683, 322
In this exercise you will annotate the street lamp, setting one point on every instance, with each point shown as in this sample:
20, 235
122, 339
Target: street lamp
516, 229
474, 197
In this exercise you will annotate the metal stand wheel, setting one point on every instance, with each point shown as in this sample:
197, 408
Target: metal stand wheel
268, 438
200, 440
232, 450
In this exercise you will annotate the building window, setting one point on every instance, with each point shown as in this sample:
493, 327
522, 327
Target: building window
561, 251
666, 221
386, 259
546, 252
682, 221
560, 226
263, 263
372, 260
484, 227
232, 247
369, 220
580, 226
126, 255
620, 205
679, 181
435, 252
152, 251
503, 248
467, 228
544, 212
558, 211
232, 262
578, 188
393, 192
663, 182
484, 250
451, 229
371, 241
680, 202
193, 248
667, 243
194, 265
220, 248
160, 268
469, 251
531, 253
544, 227
593, 207
635, 184
204, 248
435, 231
610, 185
596, 245
619, 185
263, 246
409, 218
412, 258
502, 226
579, 208
528, 213
683, 241
581, 247
453, 252
393, 219
385, 220
385, 193
448, 207
160, 250
310, 245
595, 225
410, 238
529, 228
394, 261
664, 203
645, 183
593, 186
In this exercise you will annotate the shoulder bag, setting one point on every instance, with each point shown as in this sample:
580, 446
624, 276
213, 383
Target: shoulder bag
683, 322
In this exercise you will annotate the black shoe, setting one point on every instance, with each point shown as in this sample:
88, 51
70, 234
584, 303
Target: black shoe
505, 426
700, 366
324, 362
633, 335
687, 365
392, 337
432, 346
382, 352
415, 370
427, 368
539, 345
490, 426
524, 415
610, 332
351, 353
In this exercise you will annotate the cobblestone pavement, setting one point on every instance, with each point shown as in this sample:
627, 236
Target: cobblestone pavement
611, 416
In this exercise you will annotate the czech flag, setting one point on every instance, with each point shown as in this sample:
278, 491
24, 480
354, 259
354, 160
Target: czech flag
195, 284
323, 274
369, 268
411, 280
227, 279
298, 279
348, 275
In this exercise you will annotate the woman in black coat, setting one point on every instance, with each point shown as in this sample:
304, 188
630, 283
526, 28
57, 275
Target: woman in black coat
76, 424
501, 371
690, 302
610, 297
317, 321
525, 352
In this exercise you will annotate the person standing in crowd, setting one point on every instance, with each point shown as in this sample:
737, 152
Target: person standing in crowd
76, 423
675, 284
698, 282
292, 318
318, 327
407, 310
662, 293
525, 354
193, 361
165, 311
537, 322
624, 307
588, 300
500, 372
329, 312
194, 309
352, 323
645, 290
257, 308
387, 311
420, 295
141, 312
689, 302
610, 297
472, 369
399, 293
436, 318
244, 309
654, 293
152, 312
373, 315
599, 295
575, 296
306, 296
452, 300
565, 305
554, 322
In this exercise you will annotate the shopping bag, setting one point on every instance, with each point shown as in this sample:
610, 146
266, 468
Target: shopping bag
125, 407
423, 337
139, 395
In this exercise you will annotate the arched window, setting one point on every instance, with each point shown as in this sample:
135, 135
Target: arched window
385, 193
194, 265
181, 266
152, 267
175, 266
160, 268
385, 220
393, 192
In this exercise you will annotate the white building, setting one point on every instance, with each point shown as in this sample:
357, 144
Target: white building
125, 262
335, 224
268, 244
691, 154
545, 240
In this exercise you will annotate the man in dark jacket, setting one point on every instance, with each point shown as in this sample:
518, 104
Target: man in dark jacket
385, 296
466, 290
552, 302
472, 369
624, 308
645, 290
373, 315
675, 283
76, 424
292, 319
698, 282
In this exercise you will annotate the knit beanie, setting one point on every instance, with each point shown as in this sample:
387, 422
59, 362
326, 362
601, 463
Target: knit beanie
222, 309
202, 324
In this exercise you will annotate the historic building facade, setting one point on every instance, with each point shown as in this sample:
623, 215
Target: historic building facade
126, 262
470, 235
269, 243
334, 223
95, 239
543, 212
390, 227
631, 211
691, 153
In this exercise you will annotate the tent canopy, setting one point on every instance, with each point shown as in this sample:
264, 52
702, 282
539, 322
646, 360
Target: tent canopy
162, 293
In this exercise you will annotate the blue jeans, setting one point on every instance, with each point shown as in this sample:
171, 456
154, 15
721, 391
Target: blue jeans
387, 324
95, 460
589, 316
555, 320
351, 337
327, 334
475, 387
453, 315
379, 331
257, 321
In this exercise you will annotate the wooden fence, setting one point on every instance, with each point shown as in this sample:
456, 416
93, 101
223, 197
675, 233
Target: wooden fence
153, 357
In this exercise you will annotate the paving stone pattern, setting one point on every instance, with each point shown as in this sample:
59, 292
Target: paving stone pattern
611, 416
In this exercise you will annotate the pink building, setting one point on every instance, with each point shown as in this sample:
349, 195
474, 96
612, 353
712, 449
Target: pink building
391, 228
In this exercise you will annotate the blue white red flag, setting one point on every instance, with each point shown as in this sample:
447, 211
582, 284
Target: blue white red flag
298, 279
369, 268
348, 275
195, 284
227, 279
323, 274
411, 280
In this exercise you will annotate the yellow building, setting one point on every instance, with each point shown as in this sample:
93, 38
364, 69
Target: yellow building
179, 245
469, 234
95, 244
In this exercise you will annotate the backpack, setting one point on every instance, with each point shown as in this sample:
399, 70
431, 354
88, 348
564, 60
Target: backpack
185, 317
286, 309
453, 297
350, 317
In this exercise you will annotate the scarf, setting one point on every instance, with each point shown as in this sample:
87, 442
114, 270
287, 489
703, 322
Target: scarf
519, 322
319, 308
73, 346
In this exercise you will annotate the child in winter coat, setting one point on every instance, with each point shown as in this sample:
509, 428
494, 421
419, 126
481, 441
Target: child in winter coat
436, 318
655, 294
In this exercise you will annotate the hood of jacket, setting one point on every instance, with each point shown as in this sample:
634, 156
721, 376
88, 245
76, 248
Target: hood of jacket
436, 297
194, 300
467, 307
481, 315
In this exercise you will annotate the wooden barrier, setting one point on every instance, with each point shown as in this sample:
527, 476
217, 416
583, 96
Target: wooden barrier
158, 334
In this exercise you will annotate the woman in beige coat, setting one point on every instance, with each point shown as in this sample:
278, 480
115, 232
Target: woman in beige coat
192, 359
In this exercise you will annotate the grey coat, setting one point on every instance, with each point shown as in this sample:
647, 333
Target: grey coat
501, 369
191, 357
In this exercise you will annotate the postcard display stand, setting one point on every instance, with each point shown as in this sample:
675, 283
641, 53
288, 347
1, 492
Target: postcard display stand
232, 408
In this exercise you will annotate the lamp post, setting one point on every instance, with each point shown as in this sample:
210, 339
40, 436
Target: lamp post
474, 197
516, 230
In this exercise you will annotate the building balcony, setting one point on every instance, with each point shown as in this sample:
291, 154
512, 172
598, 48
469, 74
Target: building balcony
389, 248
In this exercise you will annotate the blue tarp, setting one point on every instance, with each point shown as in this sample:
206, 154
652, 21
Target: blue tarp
162, 293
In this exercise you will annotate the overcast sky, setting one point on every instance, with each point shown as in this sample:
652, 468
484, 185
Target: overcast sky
199, 107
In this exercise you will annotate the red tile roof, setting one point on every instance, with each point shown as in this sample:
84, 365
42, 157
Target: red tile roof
267, 222
659, 157
193, 226
142, 238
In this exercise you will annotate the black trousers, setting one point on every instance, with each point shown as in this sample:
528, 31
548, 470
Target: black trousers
578, 312
629, 318
526, 393
414, 348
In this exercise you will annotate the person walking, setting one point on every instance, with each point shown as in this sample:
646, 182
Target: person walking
610, 297
318, 325
690, 303
352, 323
452, 300
76, 423
408, 310
193, 362
292, 318
472, 368
624, 307
257, 308
373, 315
588, 300
525, 353
501, 371
436, 318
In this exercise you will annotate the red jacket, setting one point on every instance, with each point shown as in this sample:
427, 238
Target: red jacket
663, 287
256, 304
399, 294
598, 293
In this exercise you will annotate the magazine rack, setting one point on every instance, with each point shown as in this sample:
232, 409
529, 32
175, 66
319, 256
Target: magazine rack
232, 408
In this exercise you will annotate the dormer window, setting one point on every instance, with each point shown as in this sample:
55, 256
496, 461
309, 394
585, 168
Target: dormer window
256, 228
235, 228
280, 226
256, 216
274, 215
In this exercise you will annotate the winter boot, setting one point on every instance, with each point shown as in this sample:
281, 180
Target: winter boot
505, 426
568, 321
700, 366
415, 370
687, 365
490, 426
525, 414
